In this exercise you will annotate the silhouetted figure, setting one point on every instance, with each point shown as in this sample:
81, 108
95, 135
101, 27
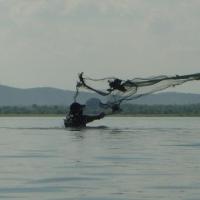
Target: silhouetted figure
76, 117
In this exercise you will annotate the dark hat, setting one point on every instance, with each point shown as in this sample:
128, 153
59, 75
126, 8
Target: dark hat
76, 107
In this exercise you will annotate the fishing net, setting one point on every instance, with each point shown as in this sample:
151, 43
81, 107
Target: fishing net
115, 91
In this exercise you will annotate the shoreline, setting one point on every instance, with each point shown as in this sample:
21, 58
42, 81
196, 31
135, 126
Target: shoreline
114, 115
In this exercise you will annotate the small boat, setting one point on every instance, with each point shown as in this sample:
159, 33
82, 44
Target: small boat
68, 123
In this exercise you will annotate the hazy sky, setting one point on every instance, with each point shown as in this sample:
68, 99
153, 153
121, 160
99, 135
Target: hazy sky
48, 42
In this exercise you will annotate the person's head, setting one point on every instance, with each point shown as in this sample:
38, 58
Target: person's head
76, 108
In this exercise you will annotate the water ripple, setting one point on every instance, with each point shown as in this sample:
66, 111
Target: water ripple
32, 189
65, 179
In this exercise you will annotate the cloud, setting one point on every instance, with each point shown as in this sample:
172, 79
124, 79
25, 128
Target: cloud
147, 12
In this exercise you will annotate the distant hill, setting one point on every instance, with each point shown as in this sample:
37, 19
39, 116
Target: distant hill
10, 96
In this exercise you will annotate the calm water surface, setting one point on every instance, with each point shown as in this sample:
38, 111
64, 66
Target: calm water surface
115, 158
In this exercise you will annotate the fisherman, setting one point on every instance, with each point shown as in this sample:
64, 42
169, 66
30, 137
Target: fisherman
76, 117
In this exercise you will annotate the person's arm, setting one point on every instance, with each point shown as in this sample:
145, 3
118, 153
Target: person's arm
92, 118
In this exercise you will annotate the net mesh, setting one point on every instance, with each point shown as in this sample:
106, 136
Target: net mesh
115, 91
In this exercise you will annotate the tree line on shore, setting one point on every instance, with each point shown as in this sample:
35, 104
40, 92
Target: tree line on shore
127, 109
190, 109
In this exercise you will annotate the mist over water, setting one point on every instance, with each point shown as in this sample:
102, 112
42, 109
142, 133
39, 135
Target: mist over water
114, 158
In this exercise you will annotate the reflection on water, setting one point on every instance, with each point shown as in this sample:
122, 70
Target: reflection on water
114, 158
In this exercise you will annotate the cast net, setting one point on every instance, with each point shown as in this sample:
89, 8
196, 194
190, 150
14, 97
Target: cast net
115, 91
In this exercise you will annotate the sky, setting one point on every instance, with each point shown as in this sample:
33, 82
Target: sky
48, 42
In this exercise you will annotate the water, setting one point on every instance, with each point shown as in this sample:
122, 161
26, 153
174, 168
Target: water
115, 158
